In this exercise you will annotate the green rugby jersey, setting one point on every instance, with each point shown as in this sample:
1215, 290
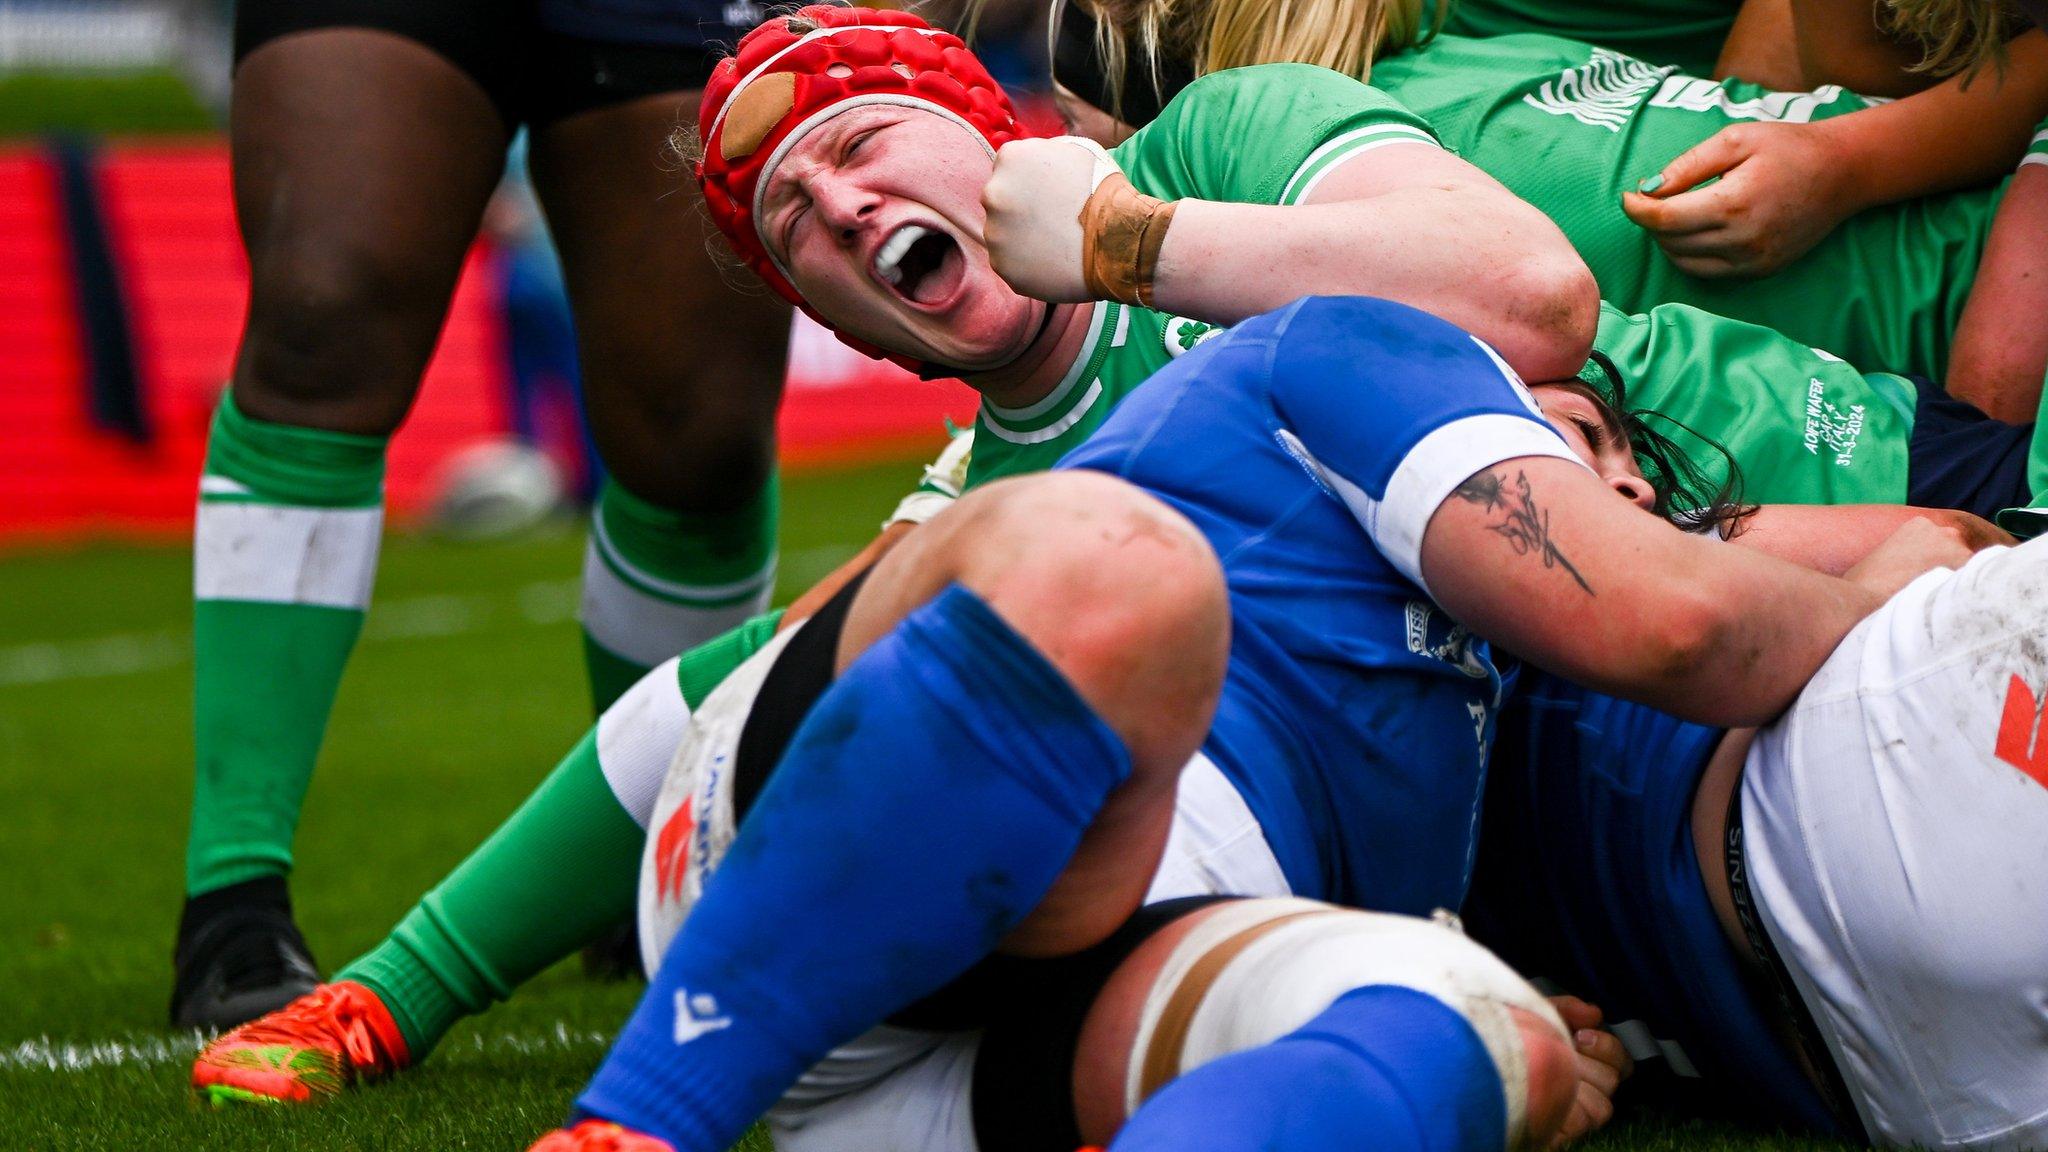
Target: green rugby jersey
1685, 33
1259, 135
1569, 127
1806, 427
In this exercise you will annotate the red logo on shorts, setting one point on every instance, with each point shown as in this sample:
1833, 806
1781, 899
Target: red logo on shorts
672, 851
2017, 745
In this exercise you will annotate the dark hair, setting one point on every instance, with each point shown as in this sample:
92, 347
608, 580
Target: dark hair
1688, 495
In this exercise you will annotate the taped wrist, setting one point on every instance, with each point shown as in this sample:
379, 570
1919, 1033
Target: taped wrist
1122, 231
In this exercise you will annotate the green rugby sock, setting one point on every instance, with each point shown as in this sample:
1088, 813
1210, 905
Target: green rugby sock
658, 582
559, 871
284, 550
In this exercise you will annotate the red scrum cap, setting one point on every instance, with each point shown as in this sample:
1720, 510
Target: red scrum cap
797, 71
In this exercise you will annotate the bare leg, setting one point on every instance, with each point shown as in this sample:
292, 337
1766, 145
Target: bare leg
682, 377
1125, 598
942, 798
362, 164
683, 373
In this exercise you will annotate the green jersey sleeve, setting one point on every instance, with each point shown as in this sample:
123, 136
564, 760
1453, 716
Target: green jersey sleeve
1804, 426
1262, 135
2037, 152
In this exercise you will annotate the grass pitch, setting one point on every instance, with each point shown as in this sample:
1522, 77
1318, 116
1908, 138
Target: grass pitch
465, 689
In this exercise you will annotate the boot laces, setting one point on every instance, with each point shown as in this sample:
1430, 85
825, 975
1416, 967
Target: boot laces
331, 1010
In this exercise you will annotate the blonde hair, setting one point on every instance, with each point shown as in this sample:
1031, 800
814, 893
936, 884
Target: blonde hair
1212, 35
1955, 35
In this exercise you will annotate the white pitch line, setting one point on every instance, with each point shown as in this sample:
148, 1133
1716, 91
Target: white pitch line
401, 619
139, 1050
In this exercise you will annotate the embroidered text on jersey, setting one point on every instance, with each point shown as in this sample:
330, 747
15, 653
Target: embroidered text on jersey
1831, 428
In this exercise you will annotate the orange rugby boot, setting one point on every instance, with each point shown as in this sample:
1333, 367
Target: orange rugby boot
311, 1048
599, 1136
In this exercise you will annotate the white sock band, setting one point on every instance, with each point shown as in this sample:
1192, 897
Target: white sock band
285, 554
647, 627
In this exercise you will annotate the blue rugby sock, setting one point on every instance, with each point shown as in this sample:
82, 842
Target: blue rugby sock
923, 808
1385, 1068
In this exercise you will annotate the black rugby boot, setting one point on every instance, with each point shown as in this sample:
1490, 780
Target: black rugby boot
239, 955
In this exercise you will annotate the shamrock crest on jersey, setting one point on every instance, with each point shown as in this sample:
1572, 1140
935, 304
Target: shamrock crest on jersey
1180, 334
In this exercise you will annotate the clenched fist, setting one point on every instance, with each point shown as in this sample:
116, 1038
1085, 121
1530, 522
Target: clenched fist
1033, 202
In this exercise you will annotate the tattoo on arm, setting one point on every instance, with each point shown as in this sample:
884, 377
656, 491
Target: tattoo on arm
1524, 526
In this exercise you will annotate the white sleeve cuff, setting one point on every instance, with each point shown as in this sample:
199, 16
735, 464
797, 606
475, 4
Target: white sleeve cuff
1424, 479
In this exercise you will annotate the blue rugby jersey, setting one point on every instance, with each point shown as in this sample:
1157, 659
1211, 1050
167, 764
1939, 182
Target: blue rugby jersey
1310, 446
1588, 877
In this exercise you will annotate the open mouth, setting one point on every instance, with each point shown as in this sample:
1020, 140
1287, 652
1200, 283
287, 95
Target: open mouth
922, 265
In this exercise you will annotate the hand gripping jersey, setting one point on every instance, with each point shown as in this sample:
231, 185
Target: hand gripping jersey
1261, 135
1310, 446
1569, 127
1588, 878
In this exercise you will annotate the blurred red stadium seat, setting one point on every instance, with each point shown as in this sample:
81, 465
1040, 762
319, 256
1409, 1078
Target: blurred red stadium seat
171, 225
43, 426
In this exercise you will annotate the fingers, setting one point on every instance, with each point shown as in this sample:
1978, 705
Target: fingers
1576, 1013
1711, 157
1671, 203
1700, 210
1717, 253
1602, 1065
1603, 1061
1591, 1112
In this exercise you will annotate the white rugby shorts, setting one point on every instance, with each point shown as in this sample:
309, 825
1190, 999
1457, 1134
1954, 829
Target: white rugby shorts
1895, 823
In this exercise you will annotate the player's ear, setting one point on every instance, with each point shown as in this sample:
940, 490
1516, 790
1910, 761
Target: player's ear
1634, 489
